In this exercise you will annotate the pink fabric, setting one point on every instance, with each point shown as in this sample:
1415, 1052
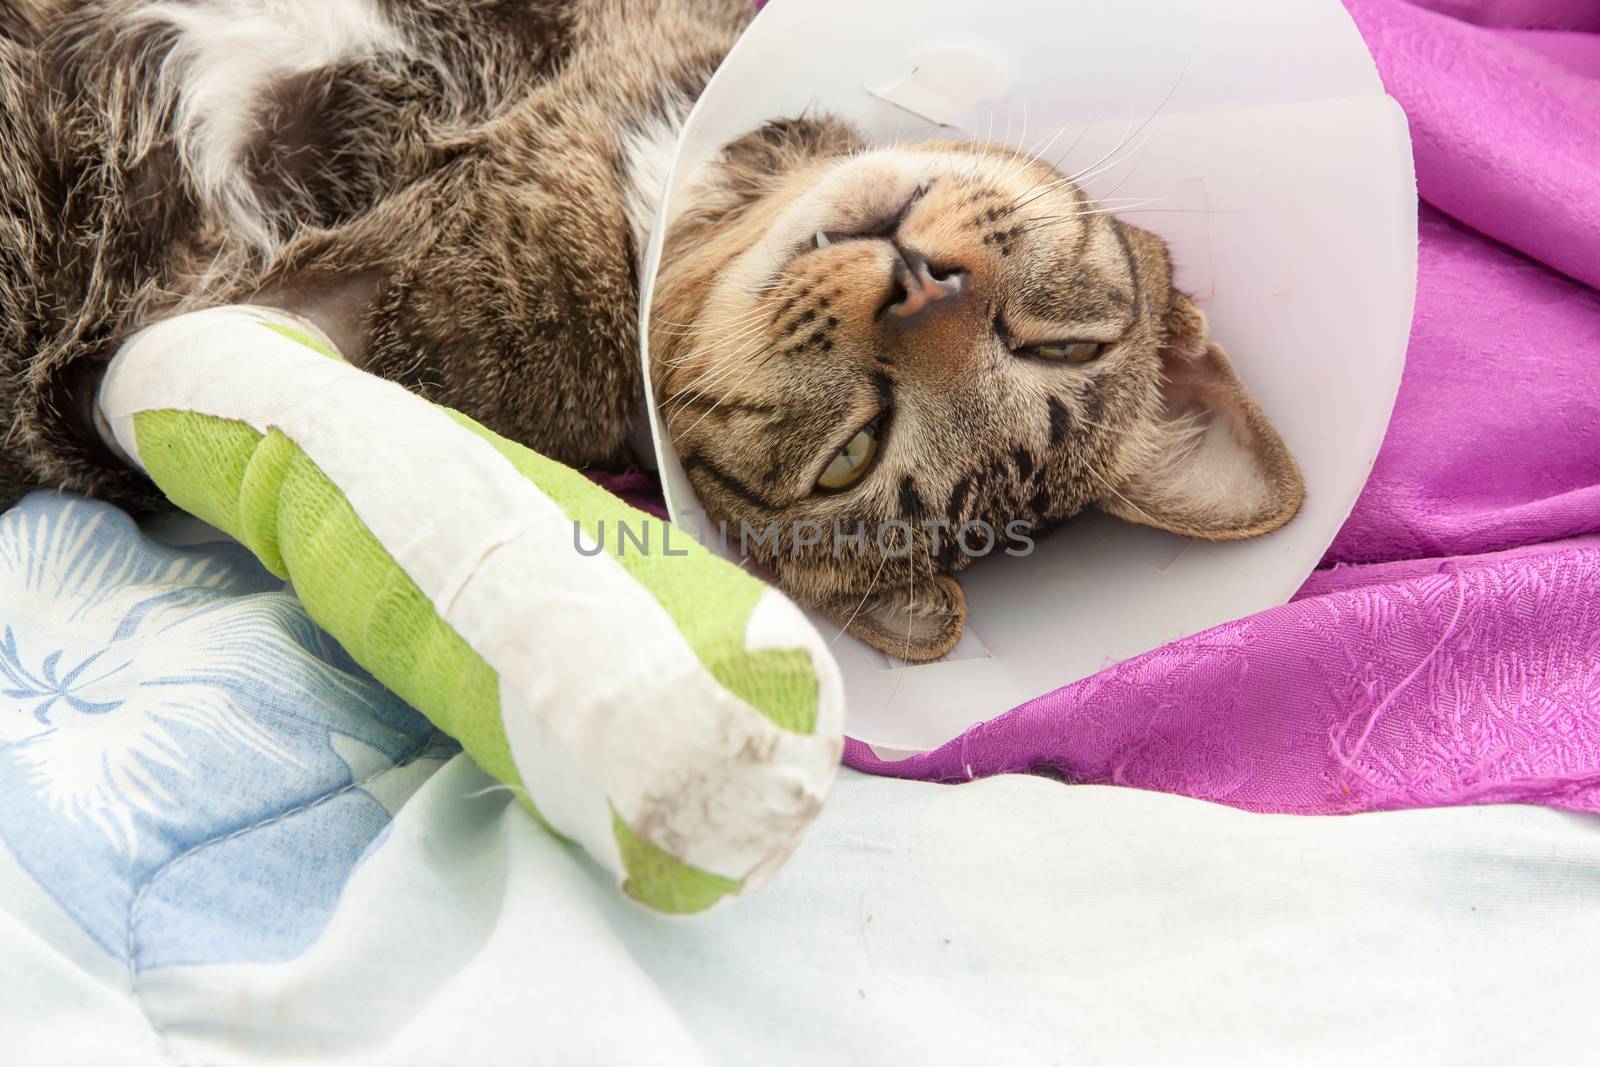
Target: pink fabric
1578, 52
1506, 140
1529, 14
1450, 652
635, 487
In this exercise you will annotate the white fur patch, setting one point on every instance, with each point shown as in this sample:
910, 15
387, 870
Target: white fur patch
647, 154
227, 54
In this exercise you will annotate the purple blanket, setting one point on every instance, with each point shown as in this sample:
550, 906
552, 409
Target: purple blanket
1449, 651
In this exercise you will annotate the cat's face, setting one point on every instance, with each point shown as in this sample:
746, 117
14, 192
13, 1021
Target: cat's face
912, 342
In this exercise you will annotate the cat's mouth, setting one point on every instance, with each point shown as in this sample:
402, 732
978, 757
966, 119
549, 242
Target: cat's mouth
884, 227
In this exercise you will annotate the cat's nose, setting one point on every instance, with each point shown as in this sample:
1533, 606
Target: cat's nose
921, 289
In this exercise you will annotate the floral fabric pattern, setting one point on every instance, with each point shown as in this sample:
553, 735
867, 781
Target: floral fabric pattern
189, 767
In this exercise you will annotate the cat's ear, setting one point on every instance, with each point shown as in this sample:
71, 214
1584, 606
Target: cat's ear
915, 623
1217, 469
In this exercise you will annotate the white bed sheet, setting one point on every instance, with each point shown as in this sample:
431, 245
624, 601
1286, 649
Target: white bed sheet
1014, 920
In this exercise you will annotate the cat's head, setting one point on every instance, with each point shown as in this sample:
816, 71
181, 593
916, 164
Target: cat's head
908, 342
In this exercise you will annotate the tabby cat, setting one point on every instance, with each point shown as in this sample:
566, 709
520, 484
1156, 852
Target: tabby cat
910, 342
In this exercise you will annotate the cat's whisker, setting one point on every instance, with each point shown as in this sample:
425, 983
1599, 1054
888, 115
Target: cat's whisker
1107, 161
700, 385
1017, 167
1058, 219
722, 349
1078, 180
766, 246
698, 389
731, 365
1031, 156
1001, 162
672, 329
1116, 493
668, 326
671, 409
742, 330
1037, 155
1073, 147
1114, 155
1054, 186
1142, 211
1102, 207
717, 361
708, 413
698, 325
1045, 222
693, 357
867, 596
740, 326
740, 341
1124, 179
1014, 164
911, 613
1133, 151
1101, 166
1190, 211
754, 292
1065, 180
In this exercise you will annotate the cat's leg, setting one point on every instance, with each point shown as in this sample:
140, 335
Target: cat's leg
502, 286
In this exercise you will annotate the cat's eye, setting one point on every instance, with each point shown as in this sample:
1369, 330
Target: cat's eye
853, 460
1066, 351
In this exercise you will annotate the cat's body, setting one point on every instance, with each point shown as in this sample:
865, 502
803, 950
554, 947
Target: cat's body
457, 192
446, 186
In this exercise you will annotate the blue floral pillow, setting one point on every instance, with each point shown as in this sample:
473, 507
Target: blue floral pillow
189, 768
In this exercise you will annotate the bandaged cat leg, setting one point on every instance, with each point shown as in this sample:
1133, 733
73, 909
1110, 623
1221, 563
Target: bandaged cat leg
674, 716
